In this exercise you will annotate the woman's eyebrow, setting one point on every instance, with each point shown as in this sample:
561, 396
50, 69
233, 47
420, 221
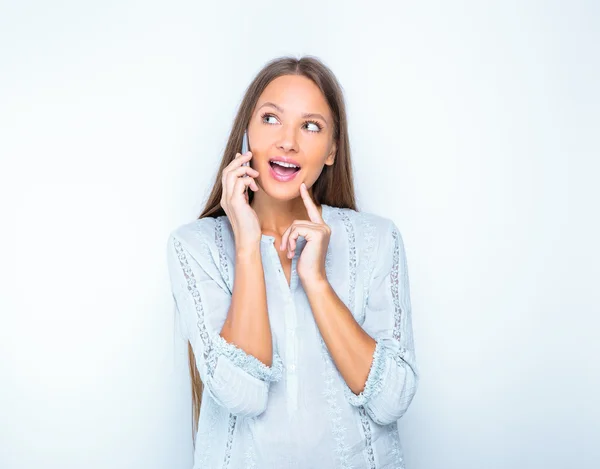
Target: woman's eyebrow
305, 115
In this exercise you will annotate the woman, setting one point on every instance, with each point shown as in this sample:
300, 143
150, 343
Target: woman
296, 306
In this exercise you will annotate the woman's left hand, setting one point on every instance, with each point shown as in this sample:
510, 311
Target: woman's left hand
311, 264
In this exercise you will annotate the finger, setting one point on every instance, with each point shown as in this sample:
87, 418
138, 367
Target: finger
253, 185
284, 237
241, 157
286, 233
298, 230
238, 161
290, 243
311, 208
248, 153
239, 188
235, 185
234, 175
239, 172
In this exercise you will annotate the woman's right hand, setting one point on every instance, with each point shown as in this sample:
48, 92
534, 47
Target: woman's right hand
234, 200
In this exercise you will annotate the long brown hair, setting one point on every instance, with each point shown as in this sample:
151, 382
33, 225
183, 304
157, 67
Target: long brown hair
335, 184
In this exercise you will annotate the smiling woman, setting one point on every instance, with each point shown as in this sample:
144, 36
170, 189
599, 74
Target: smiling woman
292, 139
296, 305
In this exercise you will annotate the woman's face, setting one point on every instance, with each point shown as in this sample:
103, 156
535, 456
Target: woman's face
280, 129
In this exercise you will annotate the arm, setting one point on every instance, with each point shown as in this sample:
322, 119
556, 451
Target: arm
234, 377
377, 361
247, 323
350, 346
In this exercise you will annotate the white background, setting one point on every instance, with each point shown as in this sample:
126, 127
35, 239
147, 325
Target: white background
474, 125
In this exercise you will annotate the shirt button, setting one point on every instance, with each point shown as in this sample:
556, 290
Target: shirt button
292, 368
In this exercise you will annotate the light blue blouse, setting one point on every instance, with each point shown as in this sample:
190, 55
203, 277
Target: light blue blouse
299, 412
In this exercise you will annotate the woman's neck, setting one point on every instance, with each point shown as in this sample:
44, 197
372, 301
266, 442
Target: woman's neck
275, 216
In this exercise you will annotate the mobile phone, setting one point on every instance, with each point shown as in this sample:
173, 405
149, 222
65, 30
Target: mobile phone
245, 145
244, 150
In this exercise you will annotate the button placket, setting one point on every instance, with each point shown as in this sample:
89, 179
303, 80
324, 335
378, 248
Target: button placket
291, 319
279, 267
291, 354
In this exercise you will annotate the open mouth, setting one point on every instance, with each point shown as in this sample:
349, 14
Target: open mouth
284, 169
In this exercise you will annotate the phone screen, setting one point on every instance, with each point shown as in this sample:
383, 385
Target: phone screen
245, 146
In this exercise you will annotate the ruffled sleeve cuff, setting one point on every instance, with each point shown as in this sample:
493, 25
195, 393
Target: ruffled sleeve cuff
246, 362
375, 379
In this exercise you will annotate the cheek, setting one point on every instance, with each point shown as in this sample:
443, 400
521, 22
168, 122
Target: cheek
257, 142
313, 149
313, 171
318, 150
257, 136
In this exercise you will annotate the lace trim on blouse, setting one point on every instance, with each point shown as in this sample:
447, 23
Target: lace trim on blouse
394, 280
369, 232
209, 356
395, 437
374, 383
399, 356
330, 392
364, 419
221, 249
229, 445
353, 266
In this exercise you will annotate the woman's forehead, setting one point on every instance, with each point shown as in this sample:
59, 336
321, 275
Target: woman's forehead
294, 94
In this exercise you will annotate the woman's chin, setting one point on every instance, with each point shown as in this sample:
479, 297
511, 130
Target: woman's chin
283, 192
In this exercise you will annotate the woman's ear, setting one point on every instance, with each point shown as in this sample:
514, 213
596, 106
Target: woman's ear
331, 157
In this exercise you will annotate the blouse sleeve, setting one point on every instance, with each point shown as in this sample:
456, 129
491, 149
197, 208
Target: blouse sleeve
236, 380
393, 378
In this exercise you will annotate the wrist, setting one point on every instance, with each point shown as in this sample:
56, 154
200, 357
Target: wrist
250, 252
316, 284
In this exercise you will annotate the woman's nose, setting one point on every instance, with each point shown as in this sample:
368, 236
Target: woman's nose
288, 141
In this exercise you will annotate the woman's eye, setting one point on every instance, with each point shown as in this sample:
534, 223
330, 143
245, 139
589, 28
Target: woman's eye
316, 128
269, 116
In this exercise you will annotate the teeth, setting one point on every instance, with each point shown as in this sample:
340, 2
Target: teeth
285, 165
